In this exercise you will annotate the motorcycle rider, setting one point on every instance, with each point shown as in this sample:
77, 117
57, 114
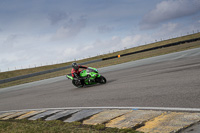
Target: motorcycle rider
76, 72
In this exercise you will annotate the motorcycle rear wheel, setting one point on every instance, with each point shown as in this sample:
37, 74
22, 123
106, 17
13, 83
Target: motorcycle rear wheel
77, 83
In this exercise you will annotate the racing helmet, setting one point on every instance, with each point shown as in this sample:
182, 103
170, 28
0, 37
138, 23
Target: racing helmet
75, 66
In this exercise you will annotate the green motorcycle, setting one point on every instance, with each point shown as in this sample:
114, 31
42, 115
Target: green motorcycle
90, 75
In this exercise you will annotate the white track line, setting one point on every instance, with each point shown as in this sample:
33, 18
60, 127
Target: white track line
132, 108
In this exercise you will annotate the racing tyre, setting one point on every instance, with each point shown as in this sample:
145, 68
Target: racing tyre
77, 83
102, 80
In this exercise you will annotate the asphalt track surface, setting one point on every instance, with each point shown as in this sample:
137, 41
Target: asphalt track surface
171, 80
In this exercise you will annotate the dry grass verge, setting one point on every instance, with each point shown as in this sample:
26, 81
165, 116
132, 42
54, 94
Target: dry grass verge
56, 126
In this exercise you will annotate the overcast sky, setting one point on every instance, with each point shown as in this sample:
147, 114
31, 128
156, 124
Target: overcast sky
35, 32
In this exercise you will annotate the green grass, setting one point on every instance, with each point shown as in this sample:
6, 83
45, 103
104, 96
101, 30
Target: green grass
56, 126
138, 56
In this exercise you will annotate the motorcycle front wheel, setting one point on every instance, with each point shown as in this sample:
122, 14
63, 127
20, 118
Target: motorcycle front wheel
102, 80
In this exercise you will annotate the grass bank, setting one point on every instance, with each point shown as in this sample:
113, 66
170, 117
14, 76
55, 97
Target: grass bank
133, 57
56, 126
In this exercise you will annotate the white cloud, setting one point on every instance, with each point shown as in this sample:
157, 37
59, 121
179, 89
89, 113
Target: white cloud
70, 29
56, 17
168, 29
87, 48
168, 10
170, 26
131, 40
70, 52
9, 42
20, 50
105, 29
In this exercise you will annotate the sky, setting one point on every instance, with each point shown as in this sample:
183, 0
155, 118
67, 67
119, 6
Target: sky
45, 32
